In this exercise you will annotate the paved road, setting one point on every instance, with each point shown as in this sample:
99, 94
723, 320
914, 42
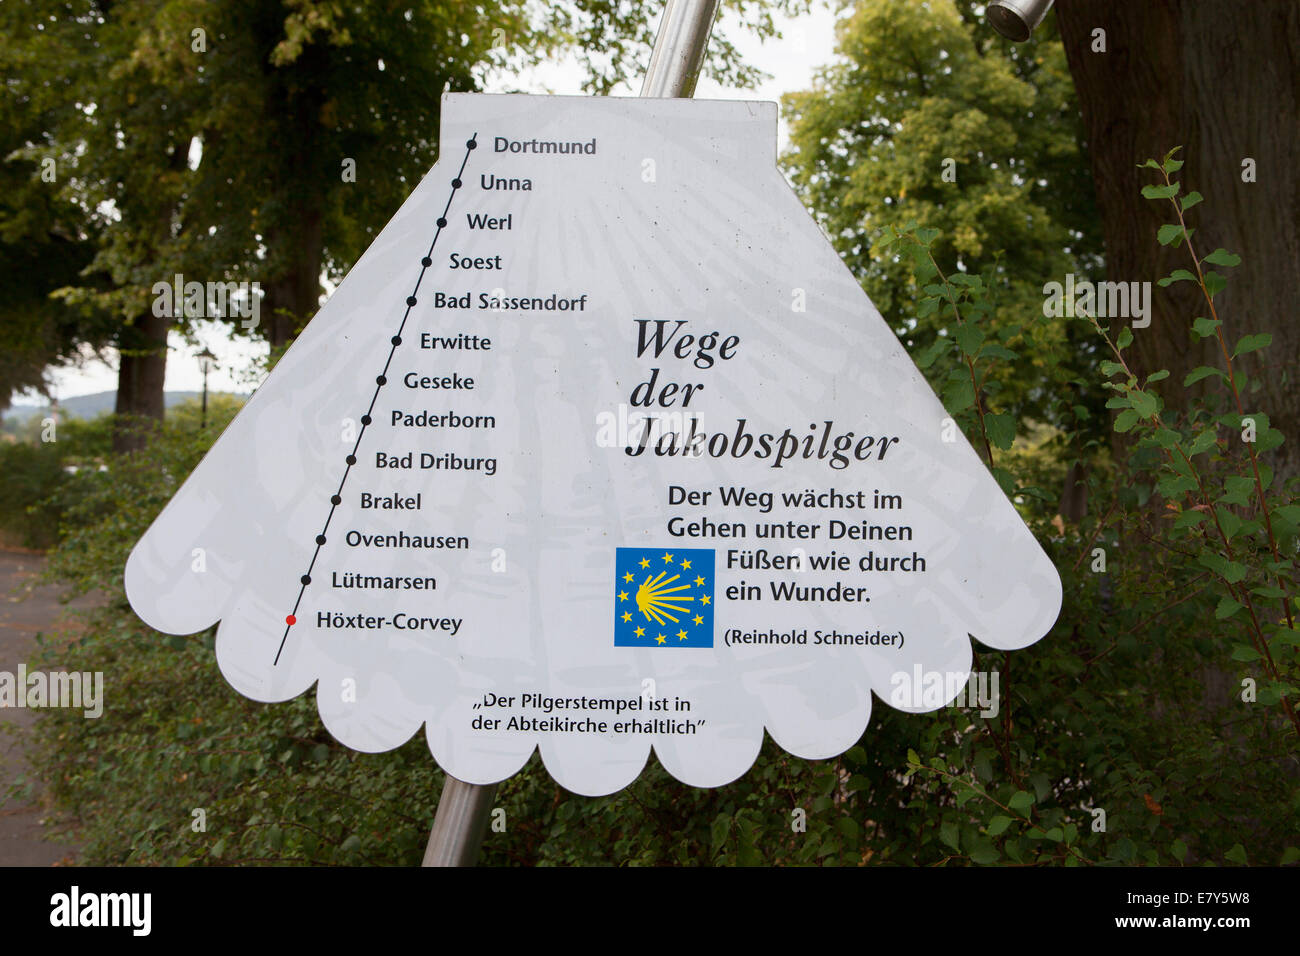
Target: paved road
26, 607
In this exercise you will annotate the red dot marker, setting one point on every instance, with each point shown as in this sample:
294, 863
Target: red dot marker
290, 620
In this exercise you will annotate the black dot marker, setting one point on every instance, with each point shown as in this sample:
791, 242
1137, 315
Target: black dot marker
381, 380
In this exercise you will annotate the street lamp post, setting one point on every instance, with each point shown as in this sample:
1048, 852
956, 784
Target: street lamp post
206, 362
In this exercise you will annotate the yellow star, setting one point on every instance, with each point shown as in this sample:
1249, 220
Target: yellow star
699, 582
627, 616
668, 558
705, 599
698, 619
640, 632
681, 635
660, 639
645, 562
686, 565
622, 595
628, 577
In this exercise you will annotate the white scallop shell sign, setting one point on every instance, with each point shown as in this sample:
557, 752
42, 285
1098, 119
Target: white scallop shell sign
599, 448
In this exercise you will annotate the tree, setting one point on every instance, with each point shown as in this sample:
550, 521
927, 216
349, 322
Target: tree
928, 117
268, 141
1218, 79
45, 242
123, 168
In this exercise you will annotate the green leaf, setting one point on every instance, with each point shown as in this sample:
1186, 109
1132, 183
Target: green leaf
1227, 607
1203, 371
1170, 232
1214, 561
1229, 522
932, 352
1145, 404
1171, 486
1165, 437
1222, 257
1158, 376
718, 831
1214, 283
1188, 519
1245, 653
959, 393
998, 825
1001, 429
1021, 801
1179, 850
969, 338
1125, 338
1289, 855
1160, 192
949, 835
1250, 343
984, 853
1237, 490
1237, 854
1202, 442
1203, 327
1178, 275
995, 351
1125, 420
1190, 200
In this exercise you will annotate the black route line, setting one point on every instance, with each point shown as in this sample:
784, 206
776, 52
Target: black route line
380, 381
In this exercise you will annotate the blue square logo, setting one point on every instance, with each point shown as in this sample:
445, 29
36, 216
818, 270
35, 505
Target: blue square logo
663, 597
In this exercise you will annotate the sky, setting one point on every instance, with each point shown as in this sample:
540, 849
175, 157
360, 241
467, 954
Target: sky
807, 42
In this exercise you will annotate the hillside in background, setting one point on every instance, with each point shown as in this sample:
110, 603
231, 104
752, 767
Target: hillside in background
91, 406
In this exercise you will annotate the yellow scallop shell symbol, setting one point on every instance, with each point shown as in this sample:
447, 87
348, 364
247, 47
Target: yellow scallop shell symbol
659, 601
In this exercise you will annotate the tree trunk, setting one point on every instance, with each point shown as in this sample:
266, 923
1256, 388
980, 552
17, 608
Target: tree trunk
142, 369
1218, 78
292, 298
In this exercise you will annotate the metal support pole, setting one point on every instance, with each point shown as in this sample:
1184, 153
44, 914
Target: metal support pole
461, 821
679, 48
464, 808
